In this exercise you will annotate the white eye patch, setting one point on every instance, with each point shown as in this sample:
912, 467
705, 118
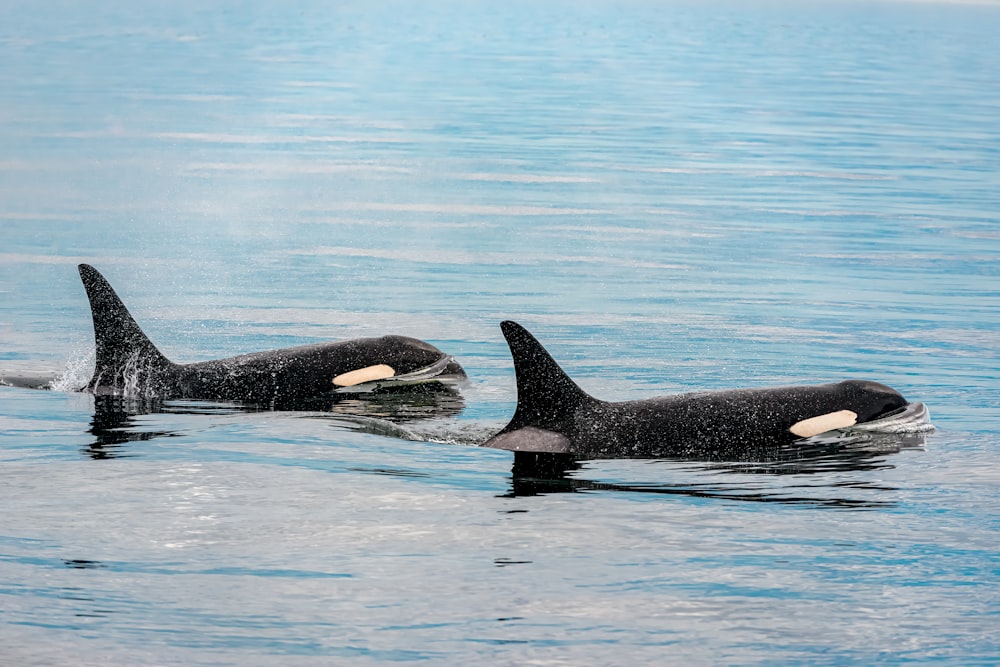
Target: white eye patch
823, 423
361, 375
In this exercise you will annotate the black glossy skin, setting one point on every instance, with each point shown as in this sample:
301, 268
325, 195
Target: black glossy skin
128, 361
555, 416
297, 372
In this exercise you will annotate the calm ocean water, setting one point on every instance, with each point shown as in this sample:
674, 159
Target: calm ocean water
673, 196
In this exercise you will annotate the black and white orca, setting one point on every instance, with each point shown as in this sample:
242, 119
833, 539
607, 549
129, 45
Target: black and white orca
127, 363
555, 416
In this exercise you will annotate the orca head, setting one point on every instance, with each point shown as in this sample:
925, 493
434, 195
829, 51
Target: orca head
408, 355
368, 364
871, 400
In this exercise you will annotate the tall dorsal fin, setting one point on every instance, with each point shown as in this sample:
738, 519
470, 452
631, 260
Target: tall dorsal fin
546, 396
125, 355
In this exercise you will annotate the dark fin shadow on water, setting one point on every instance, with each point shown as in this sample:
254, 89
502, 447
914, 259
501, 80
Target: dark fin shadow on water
82, 564
822, 462
113, 426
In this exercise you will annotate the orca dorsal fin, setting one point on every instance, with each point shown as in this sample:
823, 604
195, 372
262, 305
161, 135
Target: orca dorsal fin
126, 358
546, 396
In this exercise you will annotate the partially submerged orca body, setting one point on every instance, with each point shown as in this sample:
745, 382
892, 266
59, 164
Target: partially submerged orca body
129, 364
555, 416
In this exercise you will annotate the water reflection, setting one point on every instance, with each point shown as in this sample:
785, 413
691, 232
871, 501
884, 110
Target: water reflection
113, 425
116, 419
421, 402
829, 472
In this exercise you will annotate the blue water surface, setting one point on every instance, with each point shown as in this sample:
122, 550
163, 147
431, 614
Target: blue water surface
672, 196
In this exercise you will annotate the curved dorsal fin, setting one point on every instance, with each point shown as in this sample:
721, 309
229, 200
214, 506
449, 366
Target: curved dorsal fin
124, 353
546, 396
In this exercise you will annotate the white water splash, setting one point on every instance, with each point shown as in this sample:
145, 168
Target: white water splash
77, 373
136, 381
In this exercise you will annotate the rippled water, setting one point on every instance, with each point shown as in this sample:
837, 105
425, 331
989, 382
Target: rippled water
671, 196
